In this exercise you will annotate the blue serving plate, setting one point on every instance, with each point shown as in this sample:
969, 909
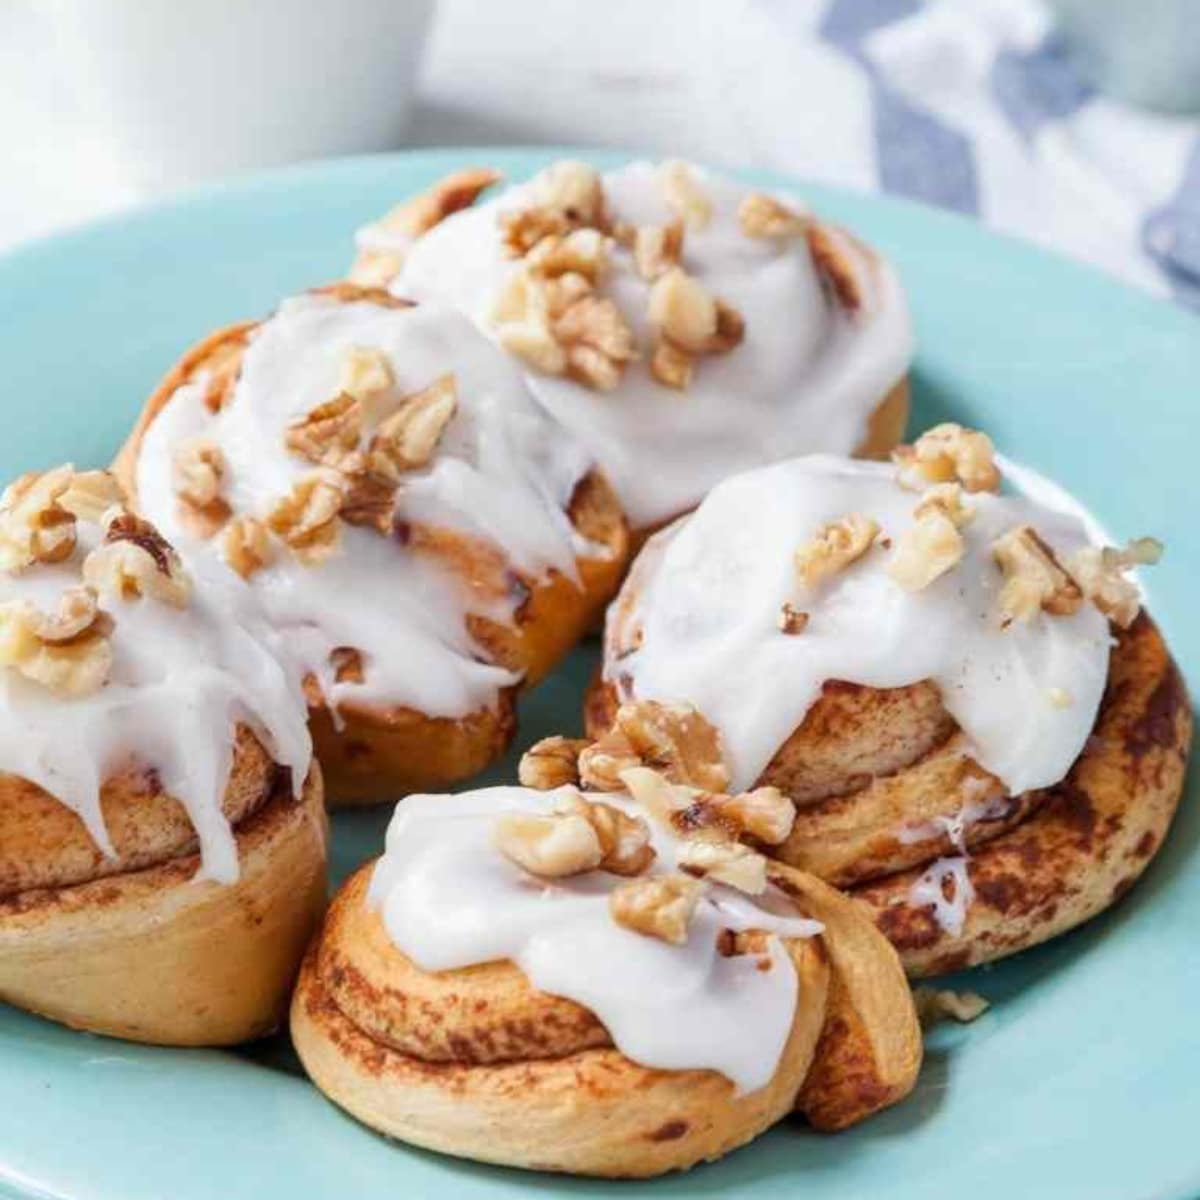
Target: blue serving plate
1081, 1083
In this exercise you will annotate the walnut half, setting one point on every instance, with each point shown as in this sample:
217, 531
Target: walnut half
68, 652
135, 561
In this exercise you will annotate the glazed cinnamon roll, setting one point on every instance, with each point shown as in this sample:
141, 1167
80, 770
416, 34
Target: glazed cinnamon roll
577, 982
425, 538
684, 326
162, 833
984, 736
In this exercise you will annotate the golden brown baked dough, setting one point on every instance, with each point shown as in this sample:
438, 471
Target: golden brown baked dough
382, 752
477, 1063
867, 763
137, 948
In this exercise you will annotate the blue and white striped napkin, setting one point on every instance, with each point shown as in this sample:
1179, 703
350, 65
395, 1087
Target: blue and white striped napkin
975, 105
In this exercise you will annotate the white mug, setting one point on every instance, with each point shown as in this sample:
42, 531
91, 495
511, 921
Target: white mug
188, 89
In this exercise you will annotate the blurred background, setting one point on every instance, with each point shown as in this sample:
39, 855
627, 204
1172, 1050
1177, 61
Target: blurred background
1072, 123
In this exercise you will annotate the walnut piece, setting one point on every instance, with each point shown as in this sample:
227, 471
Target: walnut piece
91, 494
582, 252
306, 519
834, 548
675, 740
329, 432
791, 619
946, 498
572, 189
347, 664
1033, 579
365, 375
68, 651
551, 763
926, 550
671, 366
730, 863
246, 545
521, 316
762, 216
34, 525
764, 813
826, 247
368, 498
656, 249
949, 453
934, 1005
136, 562
660, 907
596, 340
198, 471
624, 840
685, 313
551, 846
408, 439
1100, 573
684, 195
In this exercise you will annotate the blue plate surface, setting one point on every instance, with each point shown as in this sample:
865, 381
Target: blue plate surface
1081, 1083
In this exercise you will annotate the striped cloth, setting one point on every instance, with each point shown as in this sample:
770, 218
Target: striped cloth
976, 106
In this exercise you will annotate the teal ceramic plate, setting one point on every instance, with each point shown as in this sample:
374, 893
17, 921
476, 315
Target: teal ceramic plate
1082, 1083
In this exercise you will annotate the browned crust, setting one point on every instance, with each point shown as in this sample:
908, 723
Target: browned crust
380, 752
156, 955
44, 844
1090, 839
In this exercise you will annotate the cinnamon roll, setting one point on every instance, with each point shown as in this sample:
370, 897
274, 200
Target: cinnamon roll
983, 734
683, 325
427, 540
573, 982
162, 832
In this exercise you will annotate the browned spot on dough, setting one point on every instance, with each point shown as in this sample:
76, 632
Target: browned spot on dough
669, 1132
1145, 846
1155, 727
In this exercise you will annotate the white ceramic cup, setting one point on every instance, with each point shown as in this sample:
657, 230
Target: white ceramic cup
189, 89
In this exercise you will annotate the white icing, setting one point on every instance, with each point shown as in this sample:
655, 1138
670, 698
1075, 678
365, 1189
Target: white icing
449, 899
182, 680
503, 471
709, 590
805, 378
946, 887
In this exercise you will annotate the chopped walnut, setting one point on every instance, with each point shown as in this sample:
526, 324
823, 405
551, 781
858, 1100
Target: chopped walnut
1033, 579
68, 651
764, 813
34, 525
347, 664
684, 194
657, 248
946, 498
834, 548
948, 453
135, 561
91, 494
596, 340
583, 252
198, 471
552, 846
368, 499
926, 550
762, 216
685, 313
521, 316
306, 519
523, 228
408, 438
827, 250
791, 619
663, 800
671, 366
934, 1005
551, 763
660, 907
565, 196
364, 374
246, 545
674, 739
730, 863
1100, 573
329, 432
624, 840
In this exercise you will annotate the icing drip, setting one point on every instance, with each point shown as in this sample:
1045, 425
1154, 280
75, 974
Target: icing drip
181, 682
503, 472
946, 887
449, 899
707, 594
806, 377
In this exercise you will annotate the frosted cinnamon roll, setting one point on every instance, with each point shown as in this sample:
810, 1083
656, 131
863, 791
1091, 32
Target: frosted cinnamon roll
682, 324
985, 738
162, 833
426, 539
577, 982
